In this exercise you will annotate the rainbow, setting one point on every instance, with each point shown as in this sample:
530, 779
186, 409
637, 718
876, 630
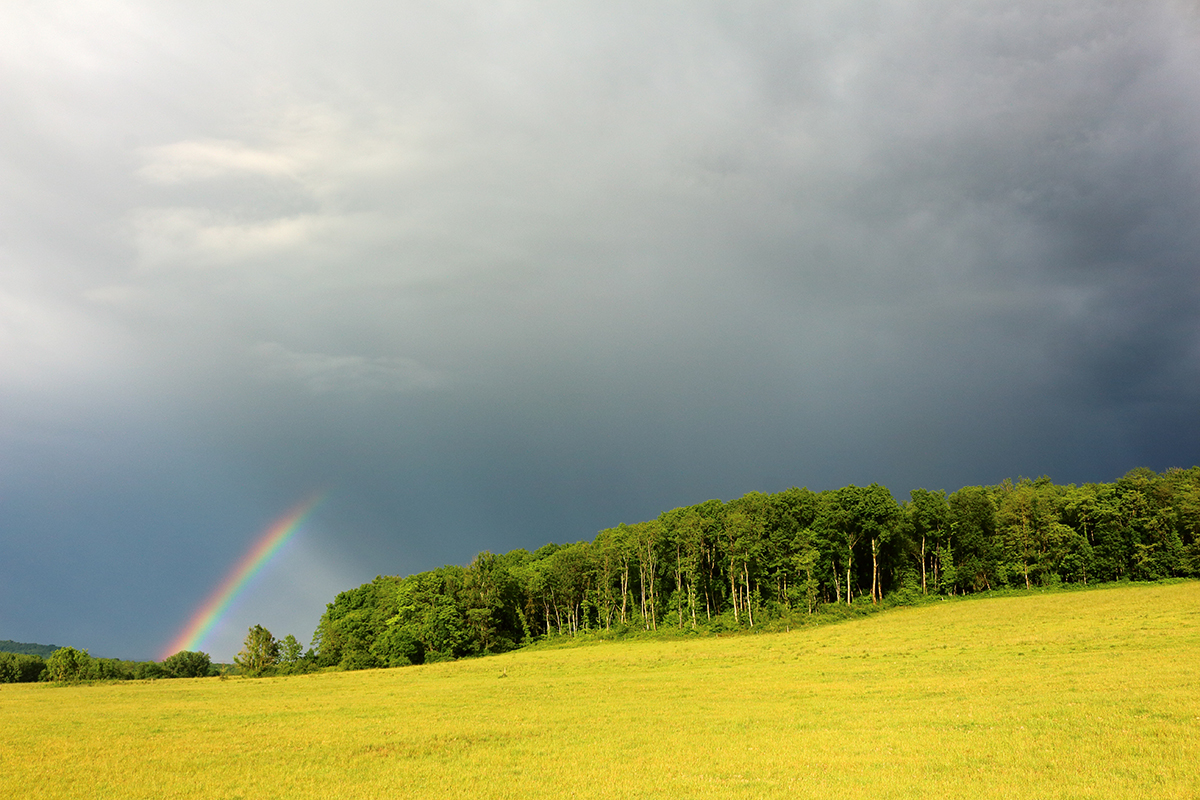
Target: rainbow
207, 616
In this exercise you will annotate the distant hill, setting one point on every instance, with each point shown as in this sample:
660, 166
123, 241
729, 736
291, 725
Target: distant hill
43, 650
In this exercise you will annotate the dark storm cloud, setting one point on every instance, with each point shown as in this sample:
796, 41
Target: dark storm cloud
500, 274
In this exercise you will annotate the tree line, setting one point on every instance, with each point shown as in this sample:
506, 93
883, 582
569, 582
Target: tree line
262, 654
71, 665
718, 566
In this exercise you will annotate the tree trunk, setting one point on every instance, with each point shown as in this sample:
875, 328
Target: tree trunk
808, 593
708, 585
679, 585
642, 575
653, 599
749, 605
874, 569
692, 600
923, 589
624, 591
848, 563
733, 588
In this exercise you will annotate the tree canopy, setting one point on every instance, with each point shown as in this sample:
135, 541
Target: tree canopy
260, 652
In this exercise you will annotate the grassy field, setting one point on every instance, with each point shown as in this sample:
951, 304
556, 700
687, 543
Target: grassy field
1084, 694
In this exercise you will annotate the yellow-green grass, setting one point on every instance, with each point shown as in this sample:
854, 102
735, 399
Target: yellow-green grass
1084, 694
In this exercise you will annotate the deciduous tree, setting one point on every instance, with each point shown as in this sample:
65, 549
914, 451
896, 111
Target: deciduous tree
260, 652
68, 664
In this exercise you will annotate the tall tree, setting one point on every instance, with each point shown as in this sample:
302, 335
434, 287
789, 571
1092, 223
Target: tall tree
876, 514
973, 524
738, 527
608, 571
929, 515
647, 538
489, 599
787, 514
692, 532
260, 652
840, 520
807, 557
291, 652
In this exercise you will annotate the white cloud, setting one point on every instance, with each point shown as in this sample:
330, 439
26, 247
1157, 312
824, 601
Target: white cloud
309, 181
197, 237
199, 160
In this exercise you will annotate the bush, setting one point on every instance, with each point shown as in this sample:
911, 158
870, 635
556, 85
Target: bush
188, 664
149, 670
358, 659
20, 668
398, 647
68, 664
909, 591
106, 669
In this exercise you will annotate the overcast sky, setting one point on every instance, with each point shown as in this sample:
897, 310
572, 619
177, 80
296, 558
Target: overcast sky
494, 274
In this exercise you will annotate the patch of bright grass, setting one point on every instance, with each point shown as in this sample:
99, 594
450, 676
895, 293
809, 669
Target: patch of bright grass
1077, 694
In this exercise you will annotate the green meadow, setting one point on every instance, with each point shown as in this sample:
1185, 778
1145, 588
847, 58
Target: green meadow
1075, 694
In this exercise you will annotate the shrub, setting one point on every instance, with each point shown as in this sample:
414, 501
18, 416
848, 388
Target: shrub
68, 664
20, 668
187, 664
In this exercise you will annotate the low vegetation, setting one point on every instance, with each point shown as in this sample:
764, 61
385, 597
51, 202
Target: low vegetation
1065, 694
69, 665
262, 656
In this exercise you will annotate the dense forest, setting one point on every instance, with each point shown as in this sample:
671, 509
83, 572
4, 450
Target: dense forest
719, 566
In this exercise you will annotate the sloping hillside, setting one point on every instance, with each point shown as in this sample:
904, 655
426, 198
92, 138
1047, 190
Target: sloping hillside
28, 648
1083, 694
